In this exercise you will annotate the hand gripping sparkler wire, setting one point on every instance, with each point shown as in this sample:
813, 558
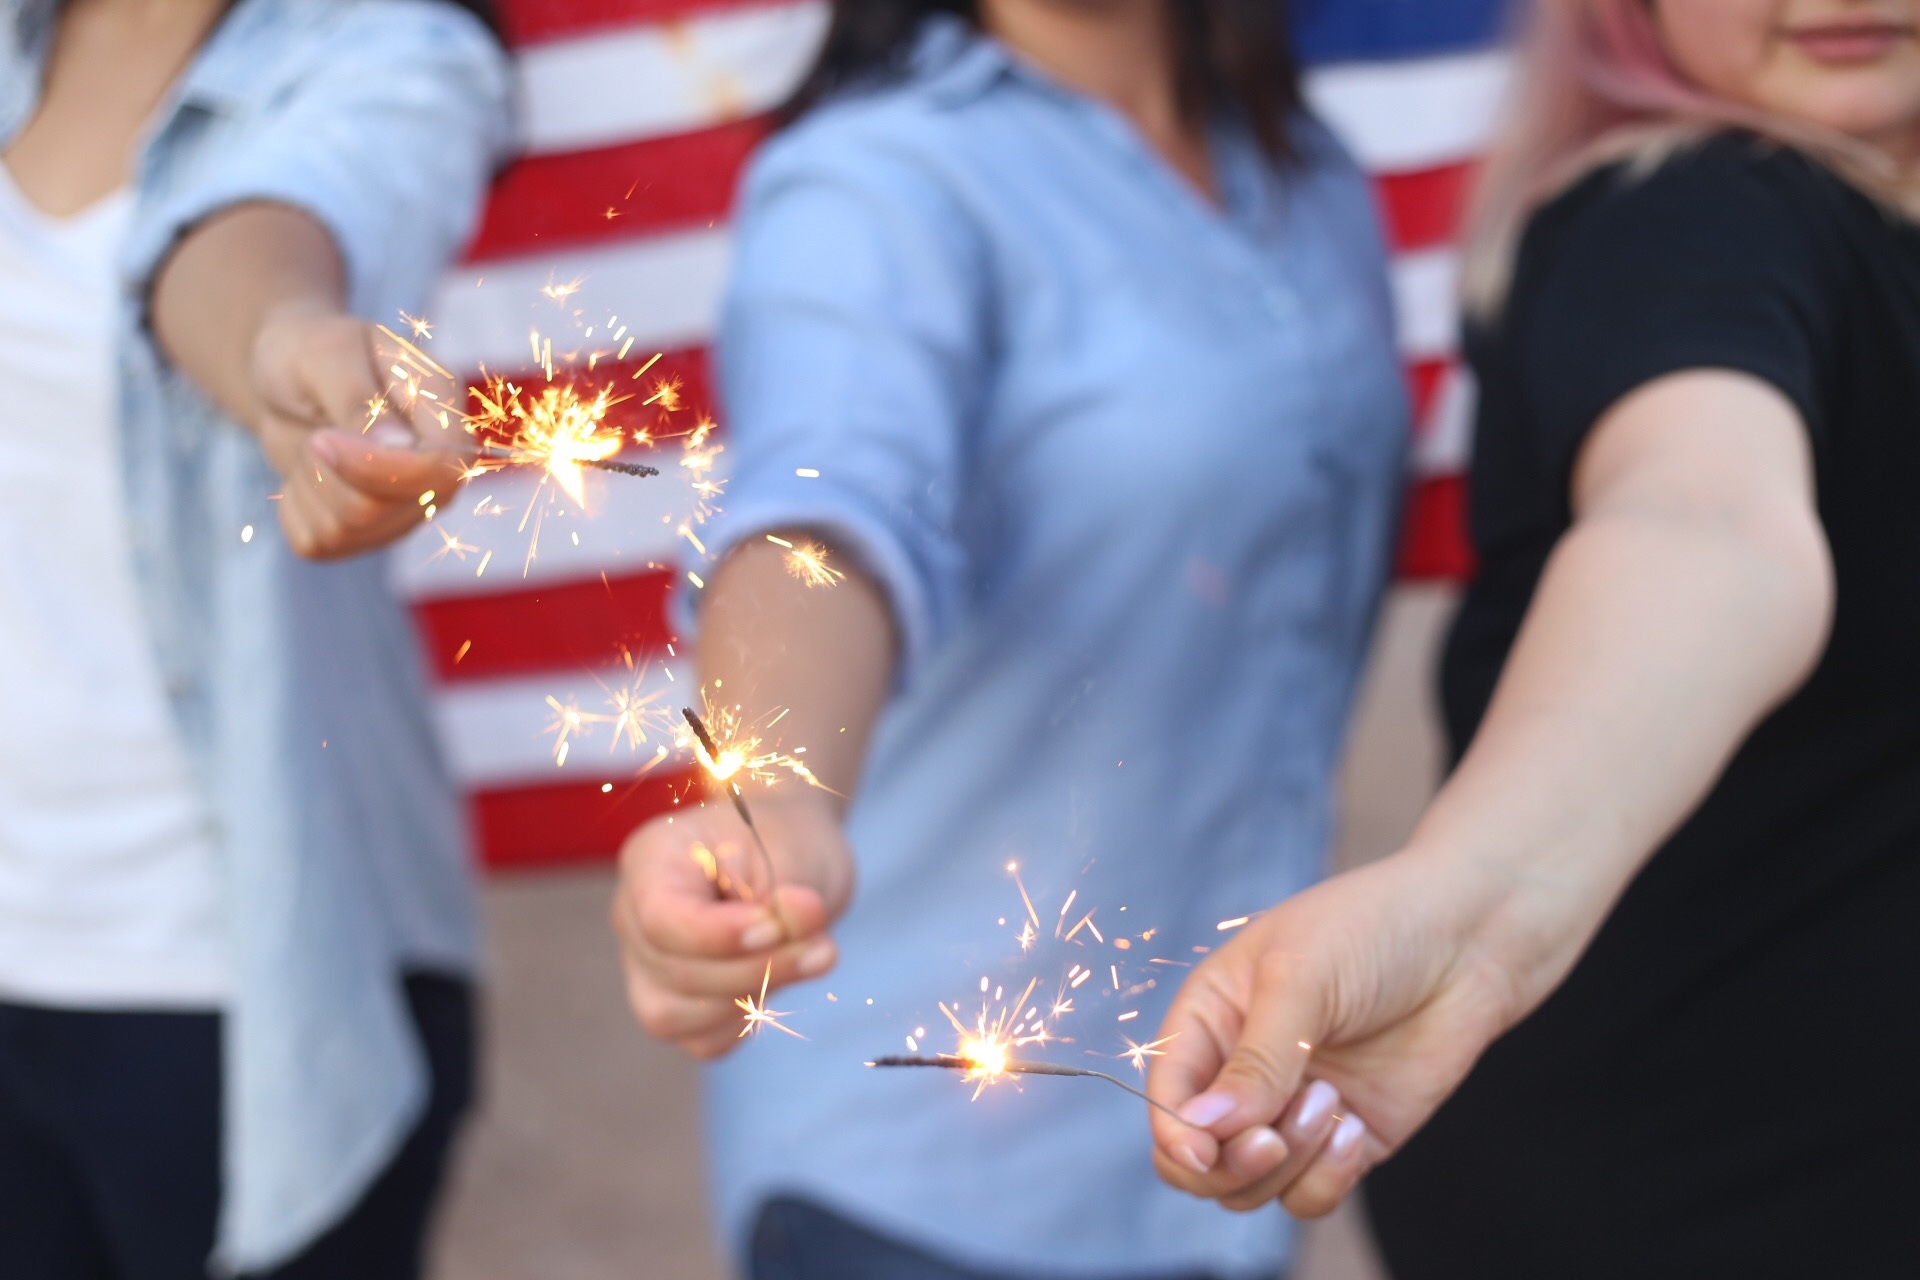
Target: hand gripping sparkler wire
1024, 1067
712, 750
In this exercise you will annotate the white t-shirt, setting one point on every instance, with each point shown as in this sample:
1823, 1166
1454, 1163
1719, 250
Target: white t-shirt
108, 890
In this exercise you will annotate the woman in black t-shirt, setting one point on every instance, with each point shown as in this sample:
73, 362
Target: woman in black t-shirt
1668, 898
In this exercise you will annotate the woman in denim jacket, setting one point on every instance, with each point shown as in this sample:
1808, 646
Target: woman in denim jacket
236, 930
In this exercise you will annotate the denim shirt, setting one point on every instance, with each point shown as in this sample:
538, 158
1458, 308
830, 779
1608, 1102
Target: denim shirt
1127, 466
299, 687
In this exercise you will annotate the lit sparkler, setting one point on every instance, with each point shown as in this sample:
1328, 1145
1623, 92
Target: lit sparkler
555, 429
994, 1067
723, 765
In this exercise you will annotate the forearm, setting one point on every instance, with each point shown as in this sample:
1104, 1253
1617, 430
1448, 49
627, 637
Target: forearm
1653, 645
226, 278
824, 655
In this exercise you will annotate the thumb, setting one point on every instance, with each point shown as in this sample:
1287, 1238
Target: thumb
796, 911
386, 463
1283, 1020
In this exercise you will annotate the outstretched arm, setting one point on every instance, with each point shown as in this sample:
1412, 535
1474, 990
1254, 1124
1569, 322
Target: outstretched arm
251, 305
1692, 594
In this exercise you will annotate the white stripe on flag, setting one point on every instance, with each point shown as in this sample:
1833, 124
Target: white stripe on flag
666, 288
1447, 441
671, 77
1421, 113
1425, 300
501, 732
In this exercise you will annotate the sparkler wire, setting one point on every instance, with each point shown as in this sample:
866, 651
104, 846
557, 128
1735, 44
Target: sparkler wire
499, 454
712, 749
1028, 1067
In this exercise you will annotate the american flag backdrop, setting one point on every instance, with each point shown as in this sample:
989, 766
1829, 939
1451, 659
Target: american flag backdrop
636, 118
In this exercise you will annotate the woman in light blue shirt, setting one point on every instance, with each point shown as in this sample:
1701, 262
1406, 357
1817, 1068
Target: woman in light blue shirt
236, 926
1066, 332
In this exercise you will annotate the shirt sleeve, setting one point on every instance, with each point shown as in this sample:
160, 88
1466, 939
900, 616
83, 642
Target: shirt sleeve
852, 354
387, 133
1713, 261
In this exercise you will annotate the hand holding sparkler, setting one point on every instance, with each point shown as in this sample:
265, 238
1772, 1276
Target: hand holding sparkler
250, 305
1320, 1037
823, 657
697, 930
363, 431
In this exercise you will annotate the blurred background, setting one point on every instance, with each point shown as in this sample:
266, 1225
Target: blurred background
609, 236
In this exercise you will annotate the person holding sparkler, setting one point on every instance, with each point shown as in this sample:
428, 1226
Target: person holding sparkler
235, 917
1637, 997
1062, 333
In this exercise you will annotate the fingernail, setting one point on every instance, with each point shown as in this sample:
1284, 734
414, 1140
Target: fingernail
1192, 1160
816, 958
1208, 1108
324, 446
1258, 1154
1345, 1136
760, 935
392, 435
1316, 1106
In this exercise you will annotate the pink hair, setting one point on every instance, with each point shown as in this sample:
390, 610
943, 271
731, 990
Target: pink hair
1597, 85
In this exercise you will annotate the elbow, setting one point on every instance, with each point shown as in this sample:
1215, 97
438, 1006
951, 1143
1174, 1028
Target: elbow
1793, 586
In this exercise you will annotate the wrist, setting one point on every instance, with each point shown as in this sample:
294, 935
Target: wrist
284, 326
1522, 923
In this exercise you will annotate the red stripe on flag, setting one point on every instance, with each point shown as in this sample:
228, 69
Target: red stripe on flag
1423, 209
564, 626
1423, 384
615, 193
532, 21
1433, 531
527, 828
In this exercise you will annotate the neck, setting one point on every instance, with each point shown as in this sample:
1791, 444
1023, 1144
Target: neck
1902, 146
1119, 51
152, 12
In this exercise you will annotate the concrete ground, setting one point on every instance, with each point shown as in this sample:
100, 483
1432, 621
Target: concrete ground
585, 1162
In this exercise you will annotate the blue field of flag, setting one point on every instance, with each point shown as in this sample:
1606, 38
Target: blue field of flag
1368, 30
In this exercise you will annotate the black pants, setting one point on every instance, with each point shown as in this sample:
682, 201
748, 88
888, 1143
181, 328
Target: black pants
110, 1147
799, 1240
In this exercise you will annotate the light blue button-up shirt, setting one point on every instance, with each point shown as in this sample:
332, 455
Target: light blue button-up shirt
299, 686
1127, 466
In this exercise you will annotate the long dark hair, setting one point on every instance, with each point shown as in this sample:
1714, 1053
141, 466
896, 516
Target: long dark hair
1230, 55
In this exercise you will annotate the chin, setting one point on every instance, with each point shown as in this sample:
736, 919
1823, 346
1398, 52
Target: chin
1870, 112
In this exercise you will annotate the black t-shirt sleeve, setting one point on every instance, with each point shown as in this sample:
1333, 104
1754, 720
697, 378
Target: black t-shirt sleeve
1712, 261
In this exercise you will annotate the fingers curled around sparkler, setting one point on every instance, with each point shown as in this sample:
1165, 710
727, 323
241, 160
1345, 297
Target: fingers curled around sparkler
686, 934
353, 426
678, 912
1242, 1069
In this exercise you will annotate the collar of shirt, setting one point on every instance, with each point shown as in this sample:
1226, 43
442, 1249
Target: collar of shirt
957, 64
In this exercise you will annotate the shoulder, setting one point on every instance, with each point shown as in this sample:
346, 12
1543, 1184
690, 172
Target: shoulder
269, 48
895, 156
1728, 204
899, 132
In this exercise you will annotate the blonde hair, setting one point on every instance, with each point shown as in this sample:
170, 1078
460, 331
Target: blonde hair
1597, 86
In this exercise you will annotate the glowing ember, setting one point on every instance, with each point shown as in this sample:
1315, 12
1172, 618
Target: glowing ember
989, 1057
807, 561
757, 1013
1138, 1054
554, 428
731, 751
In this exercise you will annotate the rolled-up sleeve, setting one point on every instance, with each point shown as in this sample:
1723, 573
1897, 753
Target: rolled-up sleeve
852, 356
387, 134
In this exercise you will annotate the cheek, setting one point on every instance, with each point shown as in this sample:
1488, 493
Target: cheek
1724, 46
